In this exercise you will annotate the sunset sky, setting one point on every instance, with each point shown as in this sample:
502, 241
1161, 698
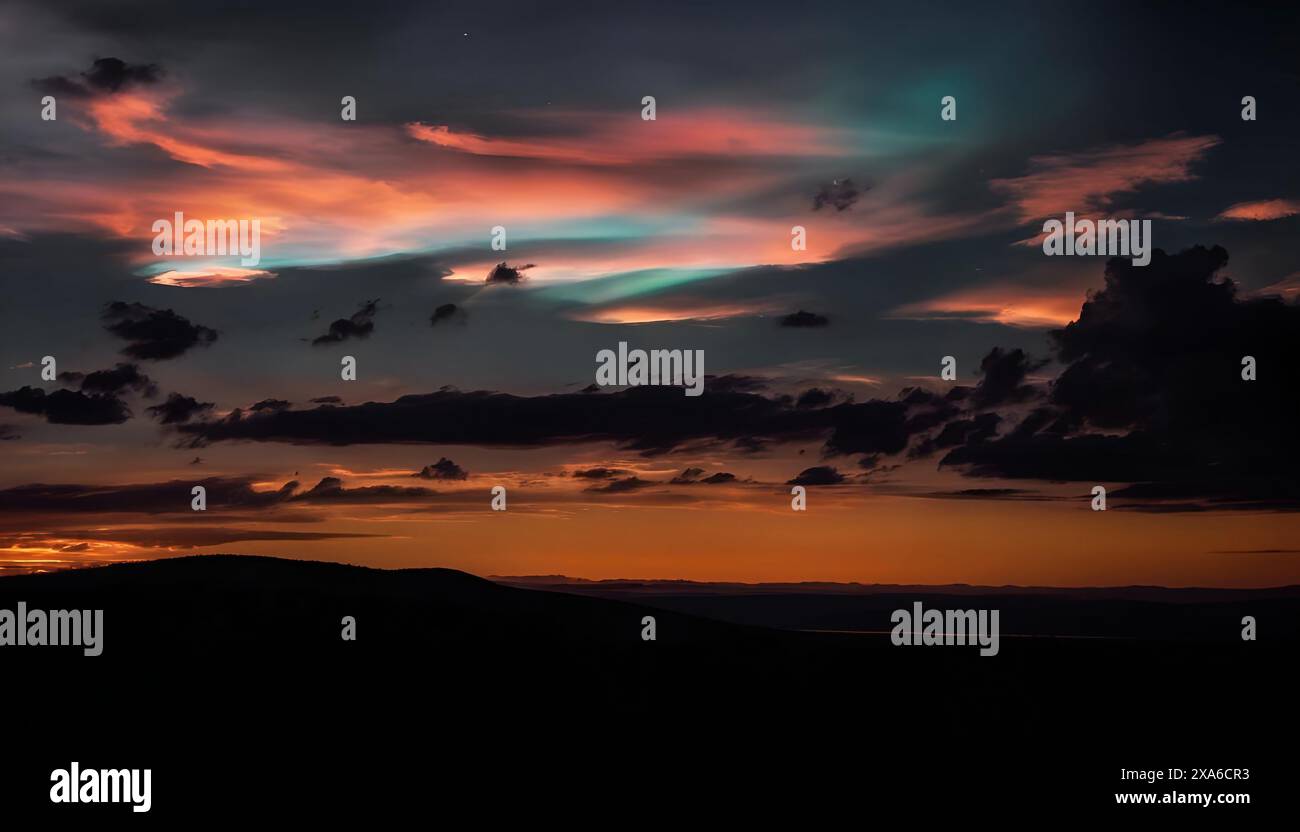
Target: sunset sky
922, 242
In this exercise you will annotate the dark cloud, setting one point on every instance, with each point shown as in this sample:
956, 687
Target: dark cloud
819, 475
113, 74
648, 419
981, 428
443, 469
271, 404
695, 476
689, 475
447, 312
815, 397
804, 319
106, 75
118, 380
359, 325
1152, 394
868, 428
9, 433
331, 489
67, 407
1003, 374
599, 473
989, 494
502, 273
622, 486
328, 400
841, 194
149, 498
178, 409
154, 334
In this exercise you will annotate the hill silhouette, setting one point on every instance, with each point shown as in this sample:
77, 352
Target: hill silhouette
233, 666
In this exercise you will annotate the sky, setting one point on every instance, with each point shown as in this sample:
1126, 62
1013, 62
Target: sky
475, 367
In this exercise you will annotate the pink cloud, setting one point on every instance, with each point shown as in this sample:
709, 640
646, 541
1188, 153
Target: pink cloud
604, 139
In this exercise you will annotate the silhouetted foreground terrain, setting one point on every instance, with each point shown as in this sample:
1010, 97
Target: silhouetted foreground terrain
228, 677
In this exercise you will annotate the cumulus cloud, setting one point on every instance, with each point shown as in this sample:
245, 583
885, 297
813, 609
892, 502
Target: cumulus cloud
154, 334
68, 407
818, 475
1152, 394
359, 325
443, 469
178, 409
804, 319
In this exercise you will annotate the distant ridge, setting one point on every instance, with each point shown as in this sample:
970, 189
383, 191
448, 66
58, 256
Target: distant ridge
612, 586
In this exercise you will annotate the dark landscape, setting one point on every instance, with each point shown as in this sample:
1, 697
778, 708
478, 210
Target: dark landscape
226, 666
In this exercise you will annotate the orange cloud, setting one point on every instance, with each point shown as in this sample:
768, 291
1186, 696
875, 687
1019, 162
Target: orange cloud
1087, 182
208, 277
1010, 305
1262, 210
138, 118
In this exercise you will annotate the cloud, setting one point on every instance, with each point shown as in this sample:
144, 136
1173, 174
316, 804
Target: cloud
1261, 211
598, 473
148, 498
359, 325
66, 407
621, 486
446, 312
105, 76
210, 276
648, 419
815, 397
121, 378
271, 404
959, 432
178, 409
1003, 374
1152, 394
688, 475
602, 138
443, 469
501, 273
695, 476
154, 334
819, 475
1088, 182
840, 194
804, 319
331, 489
